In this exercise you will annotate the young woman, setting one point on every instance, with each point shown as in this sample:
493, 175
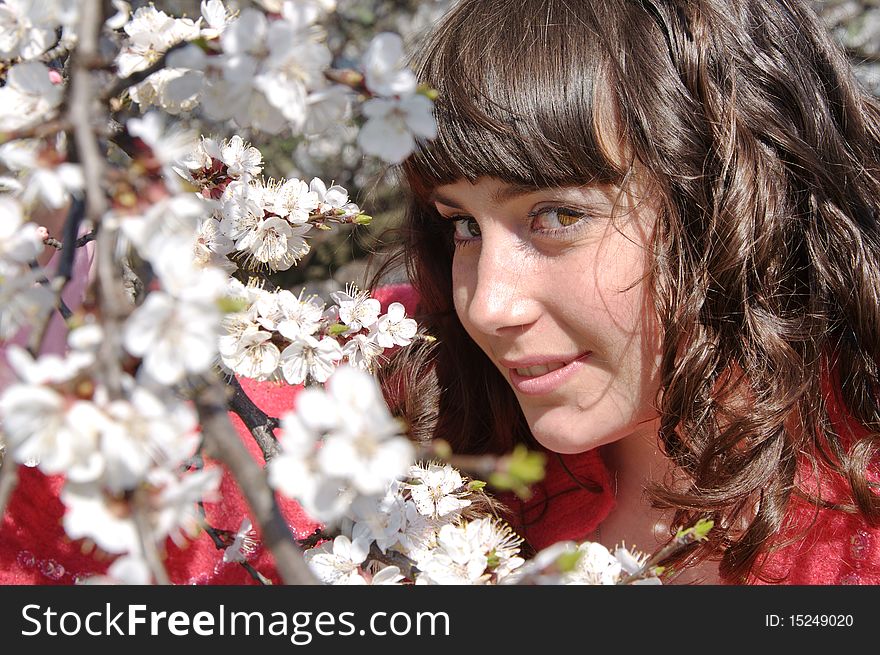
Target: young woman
647, 240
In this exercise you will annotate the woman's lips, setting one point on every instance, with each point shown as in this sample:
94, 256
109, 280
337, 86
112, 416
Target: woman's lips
545, 377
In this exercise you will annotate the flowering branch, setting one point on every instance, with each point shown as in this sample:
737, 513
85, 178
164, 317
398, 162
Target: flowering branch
682, 540
139, 76
223, 444
221, 542
513, 472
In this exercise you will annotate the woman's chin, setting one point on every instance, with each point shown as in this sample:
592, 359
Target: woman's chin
570, 432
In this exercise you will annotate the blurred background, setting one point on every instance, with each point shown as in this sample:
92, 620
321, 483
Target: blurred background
340, 256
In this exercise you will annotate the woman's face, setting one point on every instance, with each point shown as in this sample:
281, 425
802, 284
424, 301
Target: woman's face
554, 293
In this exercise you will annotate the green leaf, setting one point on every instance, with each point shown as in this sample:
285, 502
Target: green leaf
336, 329
567, 561
230, 304
526, 466
476, 485
701, 529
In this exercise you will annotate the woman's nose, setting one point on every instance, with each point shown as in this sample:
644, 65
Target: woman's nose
504, 290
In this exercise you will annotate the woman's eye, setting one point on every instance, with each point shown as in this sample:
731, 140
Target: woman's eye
466, 229
555, 218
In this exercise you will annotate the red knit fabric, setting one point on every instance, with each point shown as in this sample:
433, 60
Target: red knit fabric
570, 502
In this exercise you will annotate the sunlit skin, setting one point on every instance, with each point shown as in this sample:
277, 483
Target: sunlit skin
547, 278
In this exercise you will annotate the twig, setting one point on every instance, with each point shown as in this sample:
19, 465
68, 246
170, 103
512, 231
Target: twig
681, 541
312, 540
139, 504
8, 481
223, 444
39, 131
393, 558
59, 303
137, 77
479, 467
63, 274
220, 544
83, 240
58, 51
260, 424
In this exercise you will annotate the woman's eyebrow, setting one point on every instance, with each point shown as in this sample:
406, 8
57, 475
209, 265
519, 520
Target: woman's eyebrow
443, 200
500, 195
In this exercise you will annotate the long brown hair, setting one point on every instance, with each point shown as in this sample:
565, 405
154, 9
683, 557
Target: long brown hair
744, 118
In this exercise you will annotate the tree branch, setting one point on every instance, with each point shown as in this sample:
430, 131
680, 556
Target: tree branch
139, 504
223, 444
8, 481
260, 424
81, 111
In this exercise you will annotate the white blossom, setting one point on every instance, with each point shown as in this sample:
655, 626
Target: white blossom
437, 490
356, 309
393, 126
298, 316
168, 146
241, 209
307, 357
212, 246
595, 566
243, 545
107, 520
125, 570
42, 180
459, 558
150, 33
384, 70
29, 96
174, 337
144, 430
23, 301
173, 89
123, 14
275, 242
337, 562
241, 159
42, 428
20, 242
173, 219
329, 199
27, 28
379, 520
293, 472
250, 353
216, 17
365, 446
390, 575
394, 329
361, 351
326, 109
295, 201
